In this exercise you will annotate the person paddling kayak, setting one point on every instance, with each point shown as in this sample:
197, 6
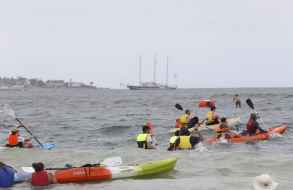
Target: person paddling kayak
183, 119
185, 142
14, 139
212, 117
41, 177
223, 130
144, 139
252, 126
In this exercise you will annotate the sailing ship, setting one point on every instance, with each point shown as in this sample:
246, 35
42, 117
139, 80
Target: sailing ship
152, 85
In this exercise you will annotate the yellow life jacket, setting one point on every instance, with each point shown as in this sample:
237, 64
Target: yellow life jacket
173, 139
184, 119
185, 142
142, 137
210, 116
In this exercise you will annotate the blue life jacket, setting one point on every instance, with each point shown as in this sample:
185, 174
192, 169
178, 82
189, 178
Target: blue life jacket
6, 176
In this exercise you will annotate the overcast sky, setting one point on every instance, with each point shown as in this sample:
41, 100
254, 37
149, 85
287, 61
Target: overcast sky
211, 43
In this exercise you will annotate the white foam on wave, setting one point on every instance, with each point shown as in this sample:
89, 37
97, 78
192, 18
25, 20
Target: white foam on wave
201, 148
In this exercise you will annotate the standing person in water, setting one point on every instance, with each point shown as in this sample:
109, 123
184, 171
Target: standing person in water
144, 139
237, 101
150, 126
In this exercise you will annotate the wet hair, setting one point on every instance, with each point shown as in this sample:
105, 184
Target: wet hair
145, 129
253, 116
223, 119
38, 166
187, 111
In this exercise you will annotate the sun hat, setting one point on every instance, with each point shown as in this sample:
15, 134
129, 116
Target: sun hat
264, 182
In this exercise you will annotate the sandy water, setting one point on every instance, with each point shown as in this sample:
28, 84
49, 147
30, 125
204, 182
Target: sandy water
89, 125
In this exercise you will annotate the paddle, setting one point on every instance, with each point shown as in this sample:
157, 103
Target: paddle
108, 162
251, 105
10, 112
179, 107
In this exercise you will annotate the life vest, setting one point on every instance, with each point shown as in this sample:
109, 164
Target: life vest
185, 142
6, 176
250, 125
184, 119
141, 140
40, 178
221, 129
13, 139
142, 137
173, 139
210, 116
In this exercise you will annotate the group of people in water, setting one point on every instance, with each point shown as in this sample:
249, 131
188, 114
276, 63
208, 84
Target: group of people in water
187, 135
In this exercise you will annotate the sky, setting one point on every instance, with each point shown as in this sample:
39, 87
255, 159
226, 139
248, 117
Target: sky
210, 43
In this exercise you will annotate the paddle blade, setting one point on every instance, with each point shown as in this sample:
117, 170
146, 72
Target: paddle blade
250, 103
179, 107
112, 162
47, 146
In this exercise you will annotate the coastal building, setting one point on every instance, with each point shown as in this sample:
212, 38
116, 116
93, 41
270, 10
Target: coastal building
55, 83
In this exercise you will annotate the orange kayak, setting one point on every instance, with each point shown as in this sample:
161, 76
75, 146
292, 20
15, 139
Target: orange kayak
100, 173
258, 137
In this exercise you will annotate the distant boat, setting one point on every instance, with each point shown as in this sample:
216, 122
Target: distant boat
152, 85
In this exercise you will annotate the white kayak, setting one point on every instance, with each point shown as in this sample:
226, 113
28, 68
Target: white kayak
233, 121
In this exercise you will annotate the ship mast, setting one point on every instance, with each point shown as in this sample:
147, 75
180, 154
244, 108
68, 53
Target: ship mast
139, 70
167, 71
155, 65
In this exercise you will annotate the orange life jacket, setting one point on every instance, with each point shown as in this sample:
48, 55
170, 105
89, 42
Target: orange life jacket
13, 139
178, 124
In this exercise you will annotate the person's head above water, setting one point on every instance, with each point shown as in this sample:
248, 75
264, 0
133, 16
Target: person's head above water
38, 166
145, 129
213, 108
223, 119
187, 112
14, 131
253, 116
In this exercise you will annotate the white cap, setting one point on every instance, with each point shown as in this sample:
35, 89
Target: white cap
264, 182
